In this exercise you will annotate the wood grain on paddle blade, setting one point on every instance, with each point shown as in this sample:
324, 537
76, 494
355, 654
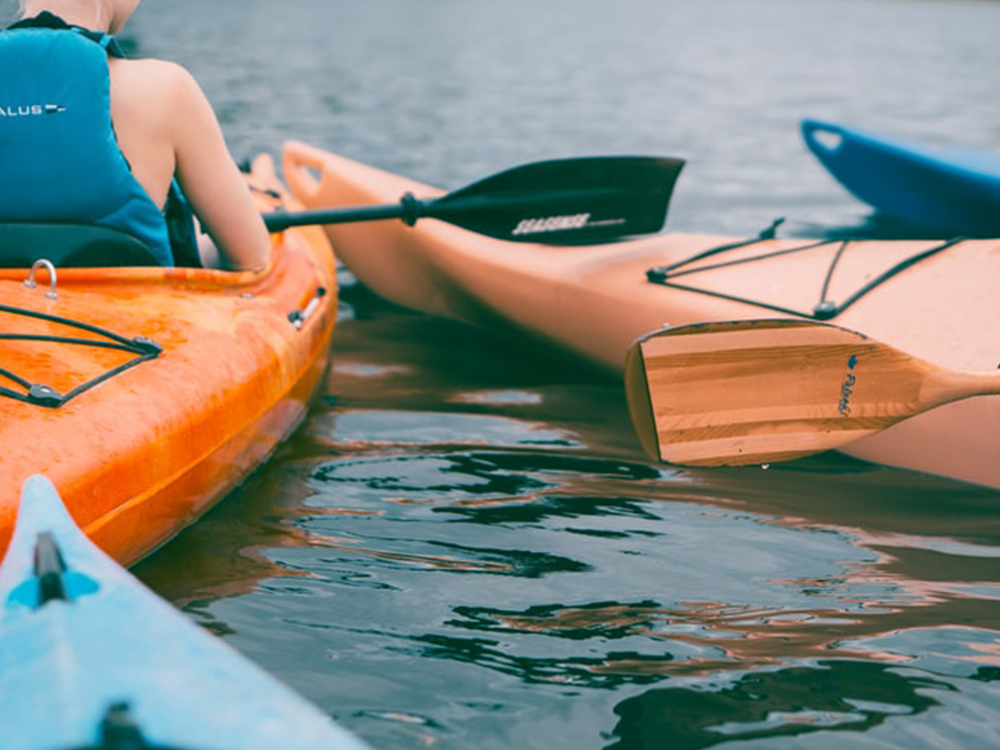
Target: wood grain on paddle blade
748, 392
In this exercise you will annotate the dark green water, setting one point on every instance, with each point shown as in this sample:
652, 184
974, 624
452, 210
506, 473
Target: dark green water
464, 547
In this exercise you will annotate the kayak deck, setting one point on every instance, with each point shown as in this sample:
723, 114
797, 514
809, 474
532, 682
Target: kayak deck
142, 452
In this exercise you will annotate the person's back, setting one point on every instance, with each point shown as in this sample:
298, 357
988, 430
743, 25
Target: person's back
60, 158
162, 124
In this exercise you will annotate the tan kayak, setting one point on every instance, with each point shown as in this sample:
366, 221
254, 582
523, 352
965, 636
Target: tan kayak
931, 299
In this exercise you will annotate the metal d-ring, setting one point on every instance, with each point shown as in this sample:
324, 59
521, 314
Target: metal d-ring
30, 282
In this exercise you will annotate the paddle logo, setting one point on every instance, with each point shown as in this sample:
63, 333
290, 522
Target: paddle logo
847, 388
552, 224
566, 223
30, 110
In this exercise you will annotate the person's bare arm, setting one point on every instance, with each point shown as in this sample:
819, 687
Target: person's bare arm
211, 181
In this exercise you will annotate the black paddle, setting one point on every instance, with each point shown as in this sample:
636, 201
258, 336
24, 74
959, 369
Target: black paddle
564, 201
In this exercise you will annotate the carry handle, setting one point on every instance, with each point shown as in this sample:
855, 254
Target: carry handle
821, 136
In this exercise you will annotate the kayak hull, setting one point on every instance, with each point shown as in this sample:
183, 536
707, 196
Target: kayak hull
943, 188
595, 301
141, 454
65, 662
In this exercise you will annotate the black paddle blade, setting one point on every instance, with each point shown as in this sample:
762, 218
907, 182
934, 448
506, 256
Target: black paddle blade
566, 201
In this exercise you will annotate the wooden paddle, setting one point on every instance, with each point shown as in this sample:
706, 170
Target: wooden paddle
565, 201
761, 391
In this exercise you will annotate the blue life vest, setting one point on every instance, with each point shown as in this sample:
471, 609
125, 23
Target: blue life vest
59, 157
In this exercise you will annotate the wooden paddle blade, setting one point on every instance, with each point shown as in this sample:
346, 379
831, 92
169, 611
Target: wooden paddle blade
757, 392
566, 201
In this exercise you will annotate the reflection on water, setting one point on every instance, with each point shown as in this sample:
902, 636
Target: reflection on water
428, 429
464, 547
831, 695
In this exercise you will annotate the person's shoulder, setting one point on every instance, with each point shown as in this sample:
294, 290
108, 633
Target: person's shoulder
156, 72
165, 85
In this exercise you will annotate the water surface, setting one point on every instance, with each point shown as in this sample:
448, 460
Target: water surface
464, 547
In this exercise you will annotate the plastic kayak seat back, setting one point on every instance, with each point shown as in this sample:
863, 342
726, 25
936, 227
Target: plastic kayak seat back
70, 246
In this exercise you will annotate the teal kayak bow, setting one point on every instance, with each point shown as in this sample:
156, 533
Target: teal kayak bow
90, 659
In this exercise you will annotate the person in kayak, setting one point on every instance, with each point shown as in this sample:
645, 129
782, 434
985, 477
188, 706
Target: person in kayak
96, 138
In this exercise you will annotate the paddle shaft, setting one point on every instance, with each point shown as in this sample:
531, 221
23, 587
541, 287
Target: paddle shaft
410, 209
954, 385
278, 221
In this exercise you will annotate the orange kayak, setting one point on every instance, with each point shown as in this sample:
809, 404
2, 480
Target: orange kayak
933, 299
146, 394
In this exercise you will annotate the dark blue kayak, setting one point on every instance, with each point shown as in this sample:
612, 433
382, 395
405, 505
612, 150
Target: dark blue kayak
945, 189
90, 659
